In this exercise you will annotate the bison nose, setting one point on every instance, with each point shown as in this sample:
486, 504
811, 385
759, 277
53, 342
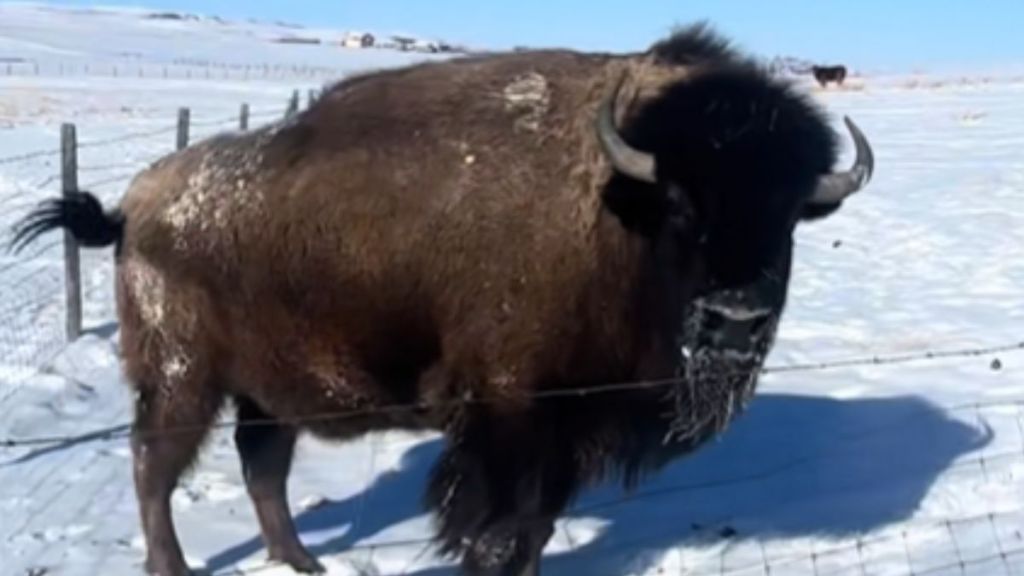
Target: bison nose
733, 324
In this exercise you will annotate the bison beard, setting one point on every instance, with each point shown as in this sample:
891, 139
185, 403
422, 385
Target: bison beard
713, 384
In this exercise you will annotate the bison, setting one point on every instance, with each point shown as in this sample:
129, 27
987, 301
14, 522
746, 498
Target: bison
480, 247
826, 74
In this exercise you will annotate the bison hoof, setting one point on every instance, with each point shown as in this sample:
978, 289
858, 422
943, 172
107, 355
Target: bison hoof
300, 561
155, 568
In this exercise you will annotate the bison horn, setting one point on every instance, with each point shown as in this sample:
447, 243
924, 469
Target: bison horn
835, 187
626, 159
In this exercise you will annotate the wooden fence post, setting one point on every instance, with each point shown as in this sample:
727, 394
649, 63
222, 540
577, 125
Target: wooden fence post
243, 117
183, 121
72, 264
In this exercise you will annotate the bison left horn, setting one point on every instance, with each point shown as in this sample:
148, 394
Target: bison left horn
626, 159
835, 187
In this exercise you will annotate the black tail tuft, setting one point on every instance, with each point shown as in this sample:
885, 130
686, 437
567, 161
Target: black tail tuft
80, 213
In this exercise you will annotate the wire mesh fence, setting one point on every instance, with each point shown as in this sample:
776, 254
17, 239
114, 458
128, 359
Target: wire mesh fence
172, 70
34, 309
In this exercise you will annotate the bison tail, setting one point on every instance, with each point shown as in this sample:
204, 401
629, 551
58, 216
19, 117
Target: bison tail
80, 213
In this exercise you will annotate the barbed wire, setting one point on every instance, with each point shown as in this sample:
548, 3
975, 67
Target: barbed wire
109, 180
28, 156
13, 195
897, 359
90, 144
51, 179
87, 144
132, 136
573, 392
218, 122
267, 114
105, 167
25, 261
46, 268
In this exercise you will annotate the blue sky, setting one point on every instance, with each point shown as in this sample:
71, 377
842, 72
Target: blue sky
877, 34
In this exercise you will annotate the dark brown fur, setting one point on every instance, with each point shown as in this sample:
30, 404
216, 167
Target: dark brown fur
445, 233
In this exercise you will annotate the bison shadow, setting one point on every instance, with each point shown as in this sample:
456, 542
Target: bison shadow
793, 466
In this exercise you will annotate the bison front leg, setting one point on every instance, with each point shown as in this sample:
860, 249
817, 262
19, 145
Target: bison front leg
512, 549
266, 449
497, 491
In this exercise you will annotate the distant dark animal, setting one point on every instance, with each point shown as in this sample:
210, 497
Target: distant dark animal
463, 246
826, 74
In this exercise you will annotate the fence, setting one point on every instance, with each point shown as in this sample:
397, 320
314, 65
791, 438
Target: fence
39, 321
180, 70
69, 187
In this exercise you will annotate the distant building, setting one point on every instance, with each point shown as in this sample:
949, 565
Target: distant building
404, 43
358, 40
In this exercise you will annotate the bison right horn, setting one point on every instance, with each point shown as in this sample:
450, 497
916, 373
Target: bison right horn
835, 187
626, 159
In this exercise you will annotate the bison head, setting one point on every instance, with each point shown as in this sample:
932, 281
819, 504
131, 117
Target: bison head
720, 170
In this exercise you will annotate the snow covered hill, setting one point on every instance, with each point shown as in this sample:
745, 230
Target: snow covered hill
50, 40
888, 469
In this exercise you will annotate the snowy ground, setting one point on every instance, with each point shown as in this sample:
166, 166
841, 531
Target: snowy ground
914, 468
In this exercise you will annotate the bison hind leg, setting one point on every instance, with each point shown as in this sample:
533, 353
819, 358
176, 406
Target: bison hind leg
169, 429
